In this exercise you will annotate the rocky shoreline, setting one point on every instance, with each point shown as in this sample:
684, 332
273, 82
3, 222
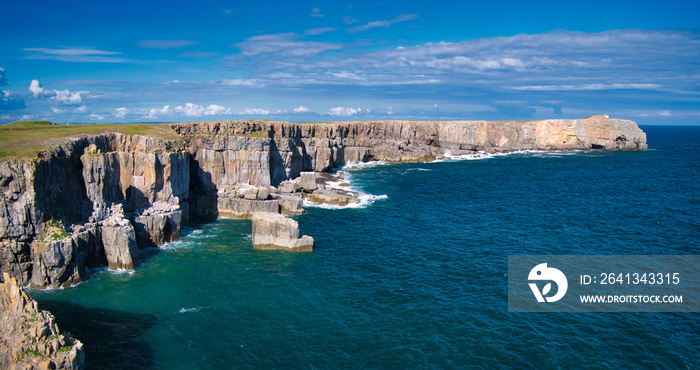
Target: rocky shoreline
96, 200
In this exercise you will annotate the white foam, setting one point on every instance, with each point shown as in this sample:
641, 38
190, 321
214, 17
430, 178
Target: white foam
121, 272
485, 155
360, 165
185, 310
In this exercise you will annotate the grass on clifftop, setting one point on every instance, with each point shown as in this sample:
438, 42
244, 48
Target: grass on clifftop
25, 139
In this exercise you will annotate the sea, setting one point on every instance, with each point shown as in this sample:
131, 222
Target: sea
414, 277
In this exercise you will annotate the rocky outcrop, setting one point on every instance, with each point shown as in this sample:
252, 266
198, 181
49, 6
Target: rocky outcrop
274, 231
30, 338
158, 224
119, 240
331, 197
307, 181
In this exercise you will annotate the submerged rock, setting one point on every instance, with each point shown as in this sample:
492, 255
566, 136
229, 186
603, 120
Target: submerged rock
274, 231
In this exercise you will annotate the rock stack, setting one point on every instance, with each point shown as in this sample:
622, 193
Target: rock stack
274, 231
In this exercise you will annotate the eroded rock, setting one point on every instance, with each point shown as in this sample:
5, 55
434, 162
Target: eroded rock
30, 338
274, 231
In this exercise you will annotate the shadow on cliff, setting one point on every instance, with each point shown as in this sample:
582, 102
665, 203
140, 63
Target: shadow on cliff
111, 339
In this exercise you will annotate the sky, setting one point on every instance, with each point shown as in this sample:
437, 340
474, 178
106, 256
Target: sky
306, 61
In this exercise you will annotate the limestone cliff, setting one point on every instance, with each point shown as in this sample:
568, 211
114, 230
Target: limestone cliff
95, 200
29, 338
267, 153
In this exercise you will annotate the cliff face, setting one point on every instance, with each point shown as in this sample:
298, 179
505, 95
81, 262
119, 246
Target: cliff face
58, 215
29, 338
267, 153
96, 200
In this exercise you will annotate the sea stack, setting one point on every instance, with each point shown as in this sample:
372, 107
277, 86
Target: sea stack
274, 231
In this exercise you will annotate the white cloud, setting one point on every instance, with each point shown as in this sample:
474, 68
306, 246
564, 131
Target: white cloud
242, 82
3, 79
165, 44
81, 109
97, 117
67, 97
36, 89
121, 112
214, 109
57, 110
346, 111
255, 111
375, 24
302, 109
196, 110
154, 112
190, 110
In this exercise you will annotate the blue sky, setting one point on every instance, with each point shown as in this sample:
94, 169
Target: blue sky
147, 61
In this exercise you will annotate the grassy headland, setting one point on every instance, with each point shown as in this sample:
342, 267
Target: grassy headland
25, 139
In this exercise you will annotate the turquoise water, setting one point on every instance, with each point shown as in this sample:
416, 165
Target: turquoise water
414, 280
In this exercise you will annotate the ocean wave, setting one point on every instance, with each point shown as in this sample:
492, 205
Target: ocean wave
361, 165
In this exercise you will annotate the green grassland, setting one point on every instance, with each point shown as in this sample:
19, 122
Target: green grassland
25, 139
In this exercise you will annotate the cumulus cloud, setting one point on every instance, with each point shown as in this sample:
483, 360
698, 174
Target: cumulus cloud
155, 112
3, 79
255, 111
196, 110
36, 89
302, 109
214, 109
61, 96
375, 24
346, 111
67, 97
